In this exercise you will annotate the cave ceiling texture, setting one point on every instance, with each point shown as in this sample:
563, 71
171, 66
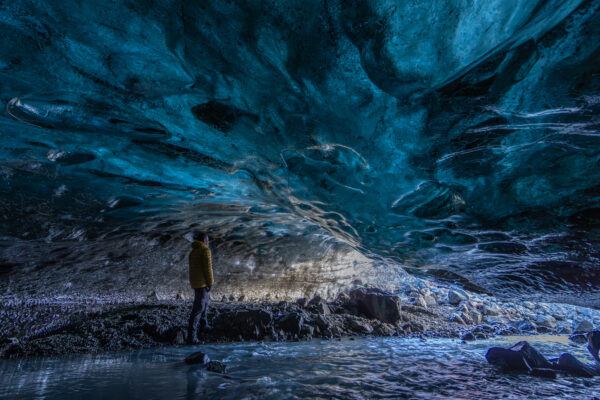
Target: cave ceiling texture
316, 141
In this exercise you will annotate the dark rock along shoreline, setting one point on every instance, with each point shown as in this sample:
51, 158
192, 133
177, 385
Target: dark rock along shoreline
126, 326
164, 323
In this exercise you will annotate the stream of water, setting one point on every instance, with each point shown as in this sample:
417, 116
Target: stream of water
392, 368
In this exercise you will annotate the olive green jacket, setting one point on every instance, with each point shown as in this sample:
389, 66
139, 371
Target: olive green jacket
201, 274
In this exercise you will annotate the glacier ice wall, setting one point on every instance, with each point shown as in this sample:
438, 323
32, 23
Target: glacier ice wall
452, 133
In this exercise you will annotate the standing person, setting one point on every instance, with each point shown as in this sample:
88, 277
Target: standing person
201, 279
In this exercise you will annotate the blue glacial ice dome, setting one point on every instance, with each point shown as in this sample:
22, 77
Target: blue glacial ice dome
447, 133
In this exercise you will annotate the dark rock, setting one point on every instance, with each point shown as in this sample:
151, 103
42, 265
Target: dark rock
197, 358
315, 300
342, 298
377, 304
291, 323
355, 324
301, 302
468, 336
216, 366
506, 359
594, 344
9, 347
175, 335
579, 339
456, 296
508, 331
520, 357
584, 326
483, 329
384, 329
534, 358
322, 322
527, 326
543, 329
543, 373
307, 330
318, 305
250, 323
568, 363
414, 327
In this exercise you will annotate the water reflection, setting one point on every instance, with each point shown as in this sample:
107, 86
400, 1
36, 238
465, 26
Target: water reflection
366, 368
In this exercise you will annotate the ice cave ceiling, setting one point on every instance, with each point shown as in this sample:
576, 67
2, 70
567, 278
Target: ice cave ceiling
445, 132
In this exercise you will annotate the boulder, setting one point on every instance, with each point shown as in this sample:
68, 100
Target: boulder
565, 330
384, 329
584, 326
568, 363
520, 357
301, 302
249, 323
466, 318
197, 358
492, 309
359, 326
418, 301
377, 304
322, 322
216, 366
506, 359
594, 344
475, 316
483, 329
318, 305
457, 319
430, 300
291, 323
508, 331
527, 326
546, 320
578, 338
307, 330
455, 296
534, 358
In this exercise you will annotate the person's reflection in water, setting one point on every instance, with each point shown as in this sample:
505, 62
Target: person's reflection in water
196, 376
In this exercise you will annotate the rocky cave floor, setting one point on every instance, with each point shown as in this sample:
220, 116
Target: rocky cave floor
67, 324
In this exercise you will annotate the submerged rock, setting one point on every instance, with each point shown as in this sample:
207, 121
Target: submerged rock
568, 363
594, 344
216, 366
197, 358
523, 357
543, 373
520, 357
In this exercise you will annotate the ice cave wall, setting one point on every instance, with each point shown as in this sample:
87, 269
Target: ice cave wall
458, 133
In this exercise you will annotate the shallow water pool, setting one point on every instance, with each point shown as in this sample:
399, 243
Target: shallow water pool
348, 369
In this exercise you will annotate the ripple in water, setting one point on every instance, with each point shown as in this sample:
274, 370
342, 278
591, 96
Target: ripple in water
366, 368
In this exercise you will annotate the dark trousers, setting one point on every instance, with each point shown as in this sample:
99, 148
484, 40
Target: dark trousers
199, 311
